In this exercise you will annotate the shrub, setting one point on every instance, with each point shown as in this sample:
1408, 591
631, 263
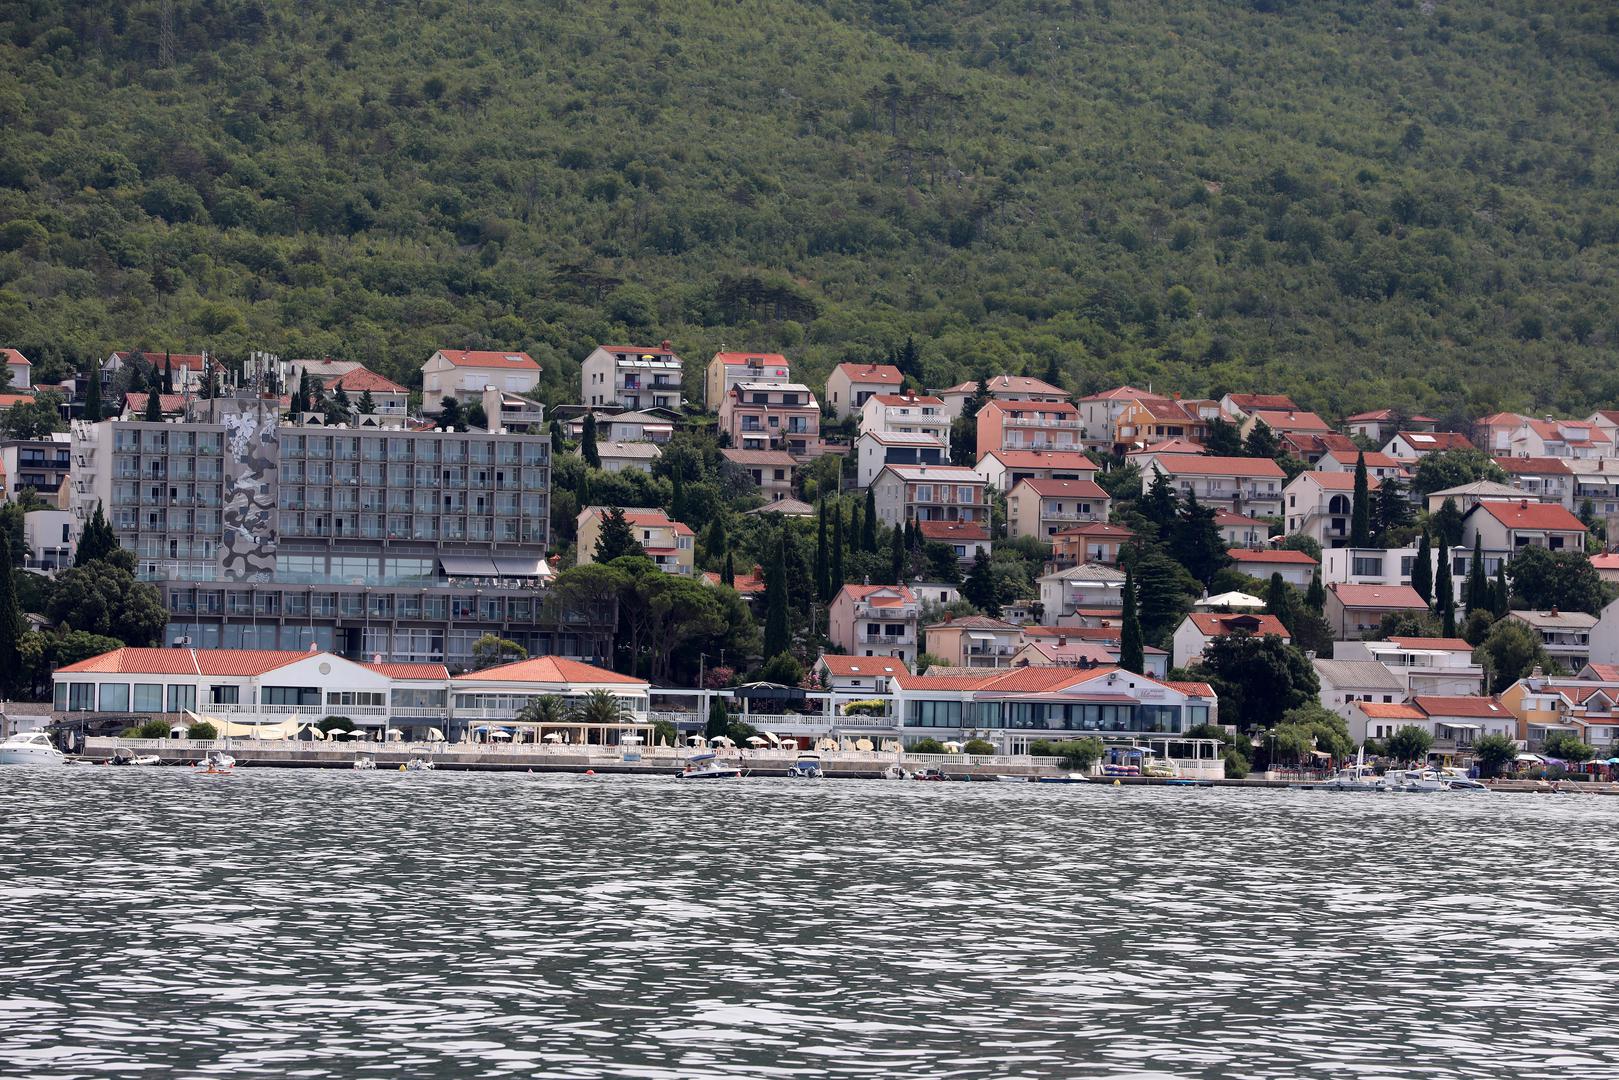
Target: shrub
979, 746
148, 729
926, 746
872, 707
202, 729
1077, 755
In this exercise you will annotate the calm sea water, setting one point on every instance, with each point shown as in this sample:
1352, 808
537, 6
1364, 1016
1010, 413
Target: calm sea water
292, 923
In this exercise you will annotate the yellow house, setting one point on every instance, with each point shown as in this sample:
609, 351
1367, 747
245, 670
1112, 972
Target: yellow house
667, 543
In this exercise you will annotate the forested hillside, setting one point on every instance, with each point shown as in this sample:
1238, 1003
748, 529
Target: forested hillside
1362, 203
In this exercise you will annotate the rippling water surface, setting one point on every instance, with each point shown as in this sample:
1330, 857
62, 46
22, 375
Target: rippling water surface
293, 923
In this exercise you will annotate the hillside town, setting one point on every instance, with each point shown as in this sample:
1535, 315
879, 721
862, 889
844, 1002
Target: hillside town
1004, 563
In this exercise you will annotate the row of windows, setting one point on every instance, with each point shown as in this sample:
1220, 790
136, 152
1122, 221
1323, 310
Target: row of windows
175, 697
1041, 716
422, 645
508, 450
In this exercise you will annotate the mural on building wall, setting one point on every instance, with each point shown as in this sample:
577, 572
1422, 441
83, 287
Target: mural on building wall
252, 457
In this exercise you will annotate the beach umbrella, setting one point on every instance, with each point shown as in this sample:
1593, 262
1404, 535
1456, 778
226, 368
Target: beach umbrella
723, 740
500, 734
554, 737
862, 744
952, 748
755, 740
775, 740
827, 744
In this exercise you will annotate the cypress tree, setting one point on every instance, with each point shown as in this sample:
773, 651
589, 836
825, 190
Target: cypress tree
168, 374
896, 558
677, 496
1360, 521
154, 406
11, 620
368, 404
97, 541
1478, 586
1422, 570
979, 588
837, 577
92, 396
778, 633
1444, 591
1500, 595
728, 575
718, 722
1131, 655
868, 535
1279, 600
823, 559
854, 527
1316, 598
587, 443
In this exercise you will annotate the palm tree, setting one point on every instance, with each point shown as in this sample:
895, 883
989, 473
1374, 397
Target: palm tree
599, 707
547, 709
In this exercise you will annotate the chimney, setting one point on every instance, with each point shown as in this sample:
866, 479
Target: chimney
665, 345
1523, 504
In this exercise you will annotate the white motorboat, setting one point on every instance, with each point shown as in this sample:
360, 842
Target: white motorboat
708, 767
417, 764
216, 763
364, 763
31, 748
807, 767
894, 772
1356, 777
1421, 781
125, 756
1456, 780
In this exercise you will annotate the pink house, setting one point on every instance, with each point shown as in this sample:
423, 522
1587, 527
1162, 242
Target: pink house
875, 620
1028, 425
772, 416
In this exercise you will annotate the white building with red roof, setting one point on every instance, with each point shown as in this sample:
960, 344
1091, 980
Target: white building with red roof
1455, 722
1321, 505
1014, 707
1240, 530
1428, 665
1296, 567
974, 641
668, 543
909, 414
1574, 439
1000, 388
1311, 446
849, 385
493, 697
858, 674
1199, 628
929, 493
1378, 424
1242, 406
1548, 479
1353, 611
1090, 542
1028, 425
388, 398
1411, 446
1243, 485
1378, 464
965, 538
771, 470
185, 368
875, 620
632, 377
20, 367
726, 369
464, 373
1505, 527
1285, 422
1042, 508
1003, 468
1099, 414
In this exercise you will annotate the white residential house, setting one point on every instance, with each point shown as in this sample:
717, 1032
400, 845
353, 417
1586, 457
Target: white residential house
633, 377
875, 620
910, 414
1505, 527
1085, 587
726, 369
929, 493
858, 674
1466, 496
1565, 635
1379, 425
1000, 388
1242, 406
1199, 628
1426, 665
1320, 505
1549, 480
1251, 486
1345, 681
1240, 530
464, 373
849, 385
21, 369
1378, 464
1041, 508
965, 538
1296, 567
1604, 640
1353, 611
1410, 446
771, 470
618, 456
1574, 439
1002, 469
875, 449
1379, 566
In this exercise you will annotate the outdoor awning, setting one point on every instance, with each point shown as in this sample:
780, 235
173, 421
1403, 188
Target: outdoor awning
468, 565
508, 566
1461, 727
980, 635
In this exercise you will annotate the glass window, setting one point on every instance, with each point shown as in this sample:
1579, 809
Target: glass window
182, 698
81, 697
224, 695
290, 695
148, 697
114, 697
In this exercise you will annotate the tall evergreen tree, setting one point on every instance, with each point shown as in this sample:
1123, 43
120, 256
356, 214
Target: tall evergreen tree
1223, 440
837, 573
449, 415
1160, 505
1360, 513
1132, 656
823, 557
1054, 378
168, 374
854, 533
616, 538
896, 558
1196, 542
677, 495
11, 621
1478, 583
92, 394
96, 541
1447, 522
1444, 591
1316, 597
1500, 596
1392, 508
718, 723
154, 407
587, 443
1279, 600
1422, 570
1261, 441
868, 523
778, 629
728, 575
368, 404
979, 588
977, 399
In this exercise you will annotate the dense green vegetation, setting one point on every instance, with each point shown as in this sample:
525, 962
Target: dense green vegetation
1361, 203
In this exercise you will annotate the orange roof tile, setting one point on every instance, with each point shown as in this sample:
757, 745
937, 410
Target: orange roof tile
1042, 459
408, 671
483, 358
359, 380
1071, 489
1215, 624
1443, 705
864, 665
1390, 710
1197, 465
1528, 515
953, 530
886, 374
550, 669
1276, 555
1390, 597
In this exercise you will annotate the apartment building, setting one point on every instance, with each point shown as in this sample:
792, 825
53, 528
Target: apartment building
726, 369
975, 641
464, 373
633, 377
1320, 505
1354, 611
1002, 469
1042, 508
669, 543
41, 464
1565, 635
849, 385
910, 414
875, 620
1092, 542
1250, 486
1076, 591
875, 449
929, 493
771, 470
1427, 665
389, 542
1504, 527
772, 416
1000, 388
1028, 425
1549, 480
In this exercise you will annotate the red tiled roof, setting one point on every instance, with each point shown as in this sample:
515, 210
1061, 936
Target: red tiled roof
1041, 459
907, 399
137, 661
760, 457
1438, 644
744, 357
887, 374
863, 593
974, 622
1391, 597
953, 530
1573, 432
747, 584
1073, 489
1339, 481
1277, 555
1214, 624
550, 669
135, 402
1375, 459
1428, 441
189, 361
1226, 517
1119, 393
1390, 710
1097, 528
1534, 465
1196, 465
656, 519
483, 358
864, 665
8, 400
1020, 384
1289, 420
12, 356
409, 671
1170, 446
1305, 443
1608, 561
1500, 419
359, 380
1528, 515
1058, 408
1195, 689
1442, 705
1375, 414
1605, 672
1249, 402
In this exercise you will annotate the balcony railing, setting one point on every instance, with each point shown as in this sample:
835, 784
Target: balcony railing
895, 640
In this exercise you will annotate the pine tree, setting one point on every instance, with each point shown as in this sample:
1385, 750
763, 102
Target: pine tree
1393, 509
92, 395
868, 524
154, 407
368, 405
1422, 570
778, 632
587, 443
557, 437
977, 399
1196, 542
1478, 585
1054, 377
1360, 520
96, 541
1316, 598
616, 538
1500, 596
168, 374
449, 414
340, 404
1132, 657
1261, 441
1447, 522
896, 558
11, 620
1160, 505
837, 577
823, 557
979, 588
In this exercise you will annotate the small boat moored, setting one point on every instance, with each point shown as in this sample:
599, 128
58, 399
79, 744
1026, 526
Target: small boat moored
417, 764
31, 748
125, 756
216, 763
707, 766
807, 767
362, 762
